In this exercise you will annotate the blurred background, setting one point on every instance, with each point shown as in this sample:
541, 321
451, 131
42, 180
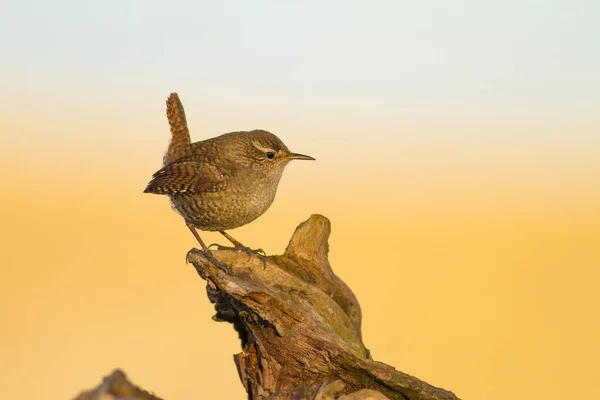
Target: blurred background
458, 159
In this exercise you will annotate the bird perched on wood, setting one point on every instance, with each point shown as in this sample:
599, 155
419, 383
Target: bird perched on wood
223, 182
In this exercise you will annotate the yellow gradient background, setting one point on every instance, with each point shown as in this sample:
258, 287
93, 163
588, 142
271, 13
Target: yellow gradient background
464, 192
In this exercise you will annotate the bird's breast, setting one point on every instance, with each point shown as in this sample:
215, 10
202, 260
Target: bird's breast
240, 202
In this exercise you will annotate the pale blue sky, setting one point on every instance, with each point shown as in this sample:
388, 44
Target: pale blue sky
373, 52
476, 84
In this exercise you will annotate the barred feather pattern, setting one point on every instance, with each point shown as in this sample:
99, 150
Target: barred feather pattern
180, 145
186, 177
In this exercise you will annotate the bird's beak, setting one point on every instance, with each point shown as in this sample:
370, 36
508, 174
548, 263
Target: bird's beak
296, 156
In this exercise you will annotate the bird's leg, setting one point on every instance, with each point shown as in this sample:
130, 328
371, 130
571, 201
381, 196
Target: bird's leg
237, 246
209, 255
232, 240
240, 247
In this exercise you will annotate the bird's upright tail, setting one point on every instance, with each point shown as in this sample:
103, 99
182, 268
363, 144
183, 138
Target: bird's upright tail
180, 145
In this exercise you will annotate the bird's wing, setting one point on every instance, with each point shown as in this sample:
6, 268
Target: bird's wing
186, 177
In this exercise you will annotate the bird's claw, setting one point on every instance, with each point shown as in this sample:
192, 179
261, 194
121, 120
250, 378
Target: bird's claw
244, 249
210, 257
193, 250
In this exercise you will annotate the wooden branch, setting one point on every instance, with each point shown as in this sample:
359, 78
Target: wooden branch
299, 325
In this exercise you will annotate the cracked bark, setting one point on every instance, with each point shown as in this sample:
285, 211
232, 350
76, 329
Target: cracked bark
299, 325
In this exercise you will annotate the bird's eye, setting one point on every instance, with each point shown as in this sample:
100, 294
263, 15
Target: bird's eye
270, 155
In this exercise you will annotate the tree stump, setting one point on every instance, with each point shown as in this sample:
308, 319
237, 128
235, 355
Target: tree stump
300, 325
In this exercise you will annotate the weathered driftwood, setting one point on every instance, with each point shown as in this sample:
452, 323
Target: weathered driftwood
299, 325
116, 386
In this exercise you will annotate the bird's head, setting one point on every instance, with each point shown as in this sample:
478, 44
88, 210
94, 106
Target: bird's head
267, 152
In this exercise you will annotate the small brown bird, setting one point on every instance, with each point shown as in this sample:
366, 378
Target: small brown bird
223, 182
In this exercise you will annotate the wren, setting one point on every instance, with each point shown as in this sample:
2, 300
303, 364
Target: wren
220, 183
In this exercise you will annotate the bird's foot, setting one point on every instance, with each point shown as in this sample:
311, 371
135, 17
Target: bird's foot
244, 249
210, 257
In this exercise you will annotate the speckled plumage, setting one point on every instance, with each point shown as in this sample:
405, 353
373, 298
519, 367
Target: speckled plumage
223, 182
